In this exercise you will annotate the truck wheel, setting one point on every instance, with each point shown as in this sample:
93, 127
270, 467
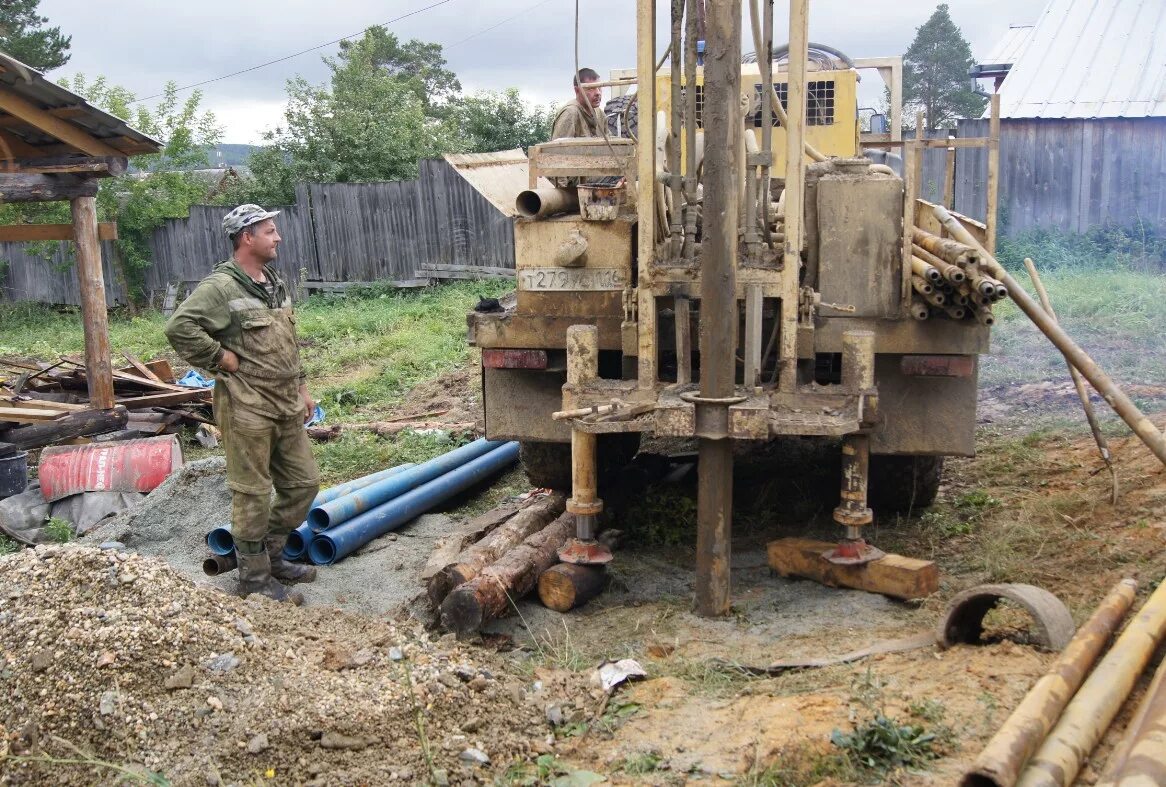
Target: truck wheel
548, 465
902, 483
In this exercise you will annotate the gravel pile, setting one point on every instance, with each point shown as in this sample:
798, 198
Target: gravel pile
116, 659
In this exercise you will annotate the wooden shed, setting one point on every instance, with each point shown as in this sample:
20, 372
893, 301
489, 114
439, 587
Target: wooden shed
54, 146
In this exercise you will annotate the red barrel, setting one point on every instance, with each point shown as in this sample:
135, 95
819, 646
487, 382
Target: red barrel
127, 466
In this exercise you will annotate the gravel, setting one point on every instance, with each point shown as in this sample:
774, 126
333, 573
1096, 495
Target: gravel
116, 659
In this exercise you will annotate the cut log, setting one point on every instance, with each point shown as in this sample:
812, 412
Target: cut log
893, 575
83, 424
447, 548
45, 188
487, 596
566, 585
519, 527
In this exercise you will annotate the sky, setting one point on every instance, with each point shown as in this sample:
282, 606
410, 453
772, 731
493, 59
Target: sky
528, 44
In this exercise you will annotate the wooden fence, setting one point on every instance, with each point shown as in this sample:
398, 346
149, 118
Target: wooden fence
335, 235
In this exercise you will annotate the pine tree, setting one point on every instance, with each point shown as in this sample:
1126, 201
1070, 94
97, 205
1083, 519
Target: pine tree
24, 36
935, 73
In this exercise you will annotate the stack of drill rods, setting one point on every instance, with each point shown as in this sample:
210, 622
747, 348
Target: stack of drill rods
947, 278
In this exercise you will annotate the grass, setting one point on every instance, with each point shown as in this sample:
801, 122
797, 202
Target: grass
362, 353
8, 546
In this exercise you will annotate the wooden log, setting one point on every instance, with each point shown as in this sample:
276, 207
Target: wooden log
90, 422
487, 596
94, 316
893, 575
105, 166
45, 188
9, 233
565, 586
491, 548
447, 548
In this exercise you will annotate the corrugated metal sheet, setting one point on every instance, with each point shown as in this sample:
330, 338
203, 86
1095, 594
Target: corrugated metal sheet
31, 85
498, 177
1091, 59
1008, 49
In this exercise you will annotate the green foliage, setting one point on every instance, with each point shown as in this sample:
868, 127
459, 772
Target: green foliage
59, 530
881, 745
490, 121
639, 764
381, 112
1108, 247
8, 546
24, 36
662, 516
935, 73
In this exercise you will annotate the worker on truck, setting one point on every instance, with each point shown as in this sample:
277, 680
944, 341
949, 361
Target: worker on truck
581, 117
239, 324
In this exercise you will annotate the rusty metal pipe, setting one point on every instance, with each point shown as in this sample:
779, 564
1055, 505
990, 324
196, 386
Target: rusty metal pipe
953, 273
690, 178
954, 252
919, 309
718, 311
1090, 712
1005, 754
219, 564
675, 182
1078, 383
925, 270
582, 369
547, 201
1113, 394
1138, 758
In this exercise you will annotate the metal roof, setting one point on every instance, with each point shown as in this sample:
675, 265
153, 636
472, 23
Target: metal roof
42, 94
1009, 47
1091, 59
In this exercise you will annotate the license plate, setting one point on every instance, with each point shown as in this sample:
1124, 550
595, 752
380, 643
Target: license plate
567, 279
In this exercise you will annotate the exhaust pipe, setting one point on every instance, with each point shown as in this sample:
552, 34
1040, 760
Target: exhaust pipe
547, 201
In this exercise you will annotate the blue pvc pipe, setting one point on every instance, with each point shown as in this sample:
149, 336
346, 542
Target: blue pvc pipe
342, 509
336, 543
221, 542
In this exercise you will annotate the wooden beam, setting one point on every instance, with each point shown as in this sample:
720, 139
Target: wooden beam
142, 369
50, 124
893, 575
13, 147
99, 368
28, 415
993, 173
106, 230
164, 399
12, 121
104, 166
21, 187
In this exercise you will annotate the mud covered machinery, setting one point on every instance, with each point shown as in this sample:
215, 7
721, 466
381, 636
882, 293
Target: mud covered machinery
742, 270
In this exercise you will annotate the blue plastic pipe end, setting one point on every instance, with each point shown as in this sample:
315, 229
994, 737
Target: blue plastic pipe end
322, 552
297, 542
220, 541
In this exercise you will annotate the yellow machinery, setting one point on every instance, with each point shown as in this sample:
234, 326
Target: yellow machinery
751, 276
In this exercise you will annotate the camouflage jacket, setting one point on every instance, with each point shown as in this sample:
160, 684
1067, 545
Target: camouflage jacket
573, 120
230, 311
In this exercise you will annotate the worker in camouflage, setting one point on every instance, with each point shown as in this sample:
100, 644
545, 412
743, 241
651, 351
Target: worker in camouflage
239, 324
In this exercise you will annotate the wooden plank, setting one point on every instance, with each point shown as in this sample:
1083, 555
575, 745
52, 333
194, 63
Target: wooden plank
165, 399
25, 233
60, 128
40, 404
144, 370
893, 575
993, 173
29, 415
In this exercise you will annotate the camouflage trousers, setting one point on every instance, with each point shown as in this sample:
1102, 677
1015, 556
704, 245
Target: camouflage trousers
263, 454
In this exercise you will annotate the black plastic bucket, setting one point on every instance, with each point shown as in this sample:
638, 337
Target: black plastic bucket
13, 474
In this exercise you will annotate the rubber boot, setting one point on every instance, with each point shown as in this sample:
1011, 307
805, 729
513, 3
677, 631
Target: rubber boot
255, 577
282, 569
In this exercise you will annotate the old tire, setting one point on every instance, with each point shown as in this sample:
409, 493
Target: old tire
548, 465
902, 483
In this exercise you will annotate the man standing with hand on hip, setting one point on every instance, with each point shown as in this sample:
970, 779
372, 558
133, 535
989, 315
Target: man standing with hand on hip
239, 324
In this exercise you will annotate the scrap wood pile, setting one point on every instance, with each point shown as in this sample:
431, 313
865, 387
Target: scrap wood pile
44, 403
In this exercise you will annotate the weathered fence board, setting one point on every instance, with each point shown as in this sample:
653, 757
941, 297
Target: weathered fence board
28, 276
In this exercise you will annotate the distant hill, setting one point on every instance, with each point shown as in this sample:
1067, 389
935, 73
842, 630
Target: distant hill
228, 155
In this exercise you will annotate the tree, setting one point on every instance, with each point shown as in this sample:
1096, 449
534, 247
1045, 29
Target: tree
935, 73
416, 64
489, 121
24, 36
370, 123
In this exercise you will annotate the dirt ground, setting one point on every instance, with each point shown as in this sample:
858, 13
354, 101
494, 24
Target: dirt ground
100, 672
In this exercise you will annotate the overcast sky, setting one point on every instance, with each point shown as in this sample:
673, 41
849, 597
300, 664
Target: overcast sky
141, 45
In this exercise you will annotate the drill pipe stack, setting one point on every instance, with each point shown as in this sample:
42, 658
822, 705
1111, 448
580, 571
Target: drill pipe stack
948, 279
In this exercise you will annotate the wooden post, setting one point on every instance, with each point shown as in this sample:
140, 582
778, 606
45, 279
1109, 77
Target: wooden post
993, 172
645, 191
911, 151
795, 186
949, 179
98, 367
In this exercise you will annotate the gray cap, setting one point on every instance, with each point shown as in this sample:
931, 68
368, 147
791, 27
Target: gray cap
244, 216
